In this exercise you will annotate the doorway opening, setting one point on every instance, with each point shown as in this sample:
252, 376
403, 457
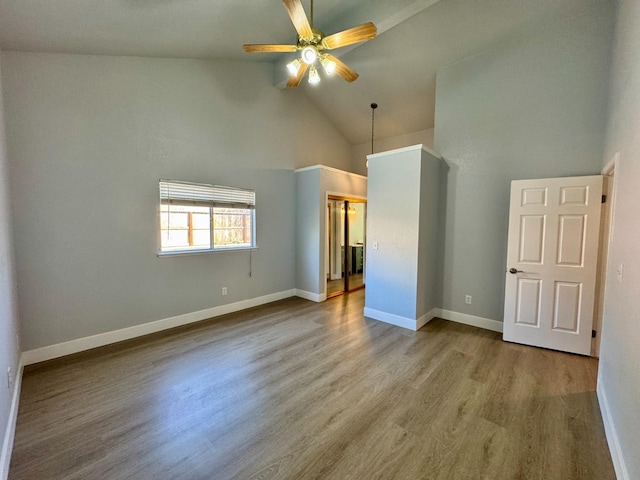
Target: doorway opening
345, 245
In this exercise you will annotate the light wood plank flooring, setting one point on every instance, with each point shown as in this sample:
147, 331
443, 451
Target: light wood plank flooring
297, 390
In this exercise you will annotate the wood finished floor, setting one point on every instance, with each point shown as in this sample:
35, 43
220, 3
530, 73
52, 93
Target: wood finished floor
298, 390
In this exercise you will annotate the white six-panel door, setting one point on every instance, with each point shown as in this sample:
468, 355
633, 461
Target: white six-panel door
551, 262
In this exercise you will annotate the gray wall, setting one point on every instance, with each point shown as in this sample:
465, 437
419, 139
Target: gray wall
89, 137
8, 306
533, 106
619, 369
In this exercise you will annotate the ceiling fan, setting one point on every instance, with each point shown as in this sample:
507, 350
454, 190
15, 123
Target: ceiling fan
312, 44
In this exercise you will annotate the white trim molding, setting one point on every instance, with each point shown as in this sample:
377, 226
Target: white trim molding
399, 321
411, 324
314, 297
426, 318
612, 435
329, 169
419, 146
9, 434
480, 322
81, 344
611, 165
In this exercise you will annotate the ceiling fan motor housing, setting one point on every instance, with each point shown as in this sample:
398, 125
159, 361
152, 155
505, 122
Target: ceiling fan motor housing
313, 42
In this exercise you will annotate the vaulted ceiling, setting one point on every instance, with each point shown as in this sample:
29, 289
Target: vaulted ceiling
397, 69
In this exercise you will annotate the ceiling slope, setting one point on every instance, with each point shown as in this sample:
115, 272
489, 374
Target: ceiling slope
397, 69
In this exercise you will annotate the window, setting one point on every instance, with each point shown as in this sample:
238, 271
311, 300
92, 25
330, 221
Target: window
204, 218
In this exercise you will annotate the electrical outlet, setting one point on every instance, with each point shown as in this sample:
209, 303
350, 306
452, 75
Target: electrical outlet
9, 378
224, 291
375, 245
467, 299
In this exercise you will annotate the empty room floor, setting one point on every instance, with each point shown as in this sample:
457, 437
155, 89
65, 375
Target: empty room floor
298, 390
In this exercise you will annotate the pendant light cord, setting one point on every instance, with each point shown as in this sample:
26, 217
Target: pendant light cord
373, 121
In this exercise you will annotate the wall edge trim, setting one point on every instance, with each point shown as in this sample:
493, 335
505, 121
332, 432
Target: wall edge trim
410, 148
314, 297
9, 434
390, 318
611, 434
474, 321
330, 169
426, 318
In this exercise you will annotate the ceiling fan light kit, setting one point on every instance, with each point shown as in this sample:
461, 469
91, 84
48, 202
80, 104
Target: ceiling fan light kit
314, 77
294, 66
312, 43
309, 55
328, 65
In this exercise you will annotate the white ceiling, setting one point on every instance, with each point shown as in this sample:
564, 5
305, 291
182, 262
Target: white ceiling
397, 69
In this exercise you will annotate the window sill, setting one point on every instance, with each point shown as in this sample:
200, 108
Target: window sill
204, 252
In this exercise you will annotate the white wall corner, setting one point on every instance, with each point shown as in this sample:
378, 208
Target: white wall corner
81, 344
426, 318
9, 434
611, 434
480, 322
314, 297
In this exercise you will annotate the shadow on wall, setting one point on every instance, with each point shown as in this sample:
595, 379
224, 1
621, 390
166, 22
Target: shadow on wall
446, 169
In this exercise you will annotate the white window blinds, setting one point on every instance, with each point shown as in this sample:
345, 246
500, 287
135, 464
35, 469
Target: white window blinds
186, 193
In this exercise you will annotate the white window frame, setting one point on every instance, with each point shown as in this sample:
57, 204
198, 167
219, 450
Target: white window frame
175, 192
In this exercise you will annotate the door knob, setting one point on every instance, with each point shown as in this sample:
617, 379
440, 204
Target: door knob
513, 271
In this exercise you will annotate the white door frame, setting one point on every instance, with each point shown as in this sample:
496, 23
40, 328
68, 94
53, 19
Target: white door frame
606, 234
325, 233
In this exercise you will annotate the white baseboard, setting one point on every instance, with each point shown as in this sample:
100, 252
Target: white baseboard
396, 320
411, 324
426, 318
611, 434
314, 297
399, 321
481, 322
7, 444
81, 344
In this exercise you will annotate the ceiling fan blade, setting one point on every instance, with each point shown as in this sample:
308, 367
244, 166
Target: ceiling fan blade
298, 18
363, 32
342, 69
261, 48
295, 81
